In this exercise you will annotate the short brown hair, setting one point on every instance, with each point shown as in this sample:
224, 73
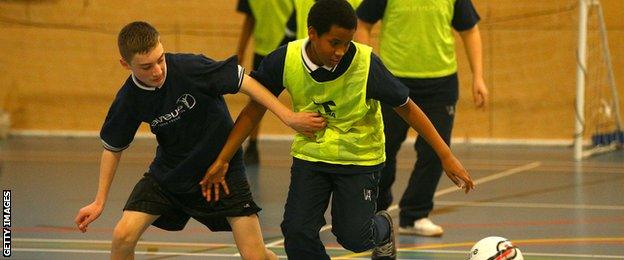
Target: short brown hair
136, 37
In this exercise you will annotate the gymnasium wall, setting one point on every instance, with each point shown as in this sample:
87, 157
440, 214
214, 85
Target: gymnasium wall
59, 67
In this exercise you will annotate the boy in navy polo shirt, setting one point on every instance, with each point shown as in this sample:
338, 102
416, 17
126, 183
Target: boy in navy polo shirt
180, 97
345, 82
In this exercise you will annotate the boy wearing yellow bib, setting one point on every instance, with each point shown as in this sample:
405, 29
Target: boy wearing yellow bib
342, 80
417, 45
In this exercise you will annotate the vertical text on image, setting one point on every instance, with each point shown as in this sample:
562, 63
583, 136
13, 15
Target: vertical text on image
6, 223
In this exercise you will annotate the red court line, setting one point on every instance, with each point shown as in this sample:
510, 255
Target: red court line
523, 242
520, 224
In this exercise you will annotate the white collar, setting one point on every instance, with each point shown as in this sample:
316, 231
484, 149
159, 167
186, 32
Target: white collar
141, 86
310, 66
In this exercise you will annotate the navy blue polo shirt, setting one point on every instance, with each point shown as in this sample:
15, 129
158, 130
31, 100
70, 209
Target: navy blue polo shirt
187, 114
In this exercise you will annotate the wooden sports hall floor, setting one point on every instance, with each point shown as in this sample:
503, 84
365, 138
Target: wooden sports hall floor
537, 196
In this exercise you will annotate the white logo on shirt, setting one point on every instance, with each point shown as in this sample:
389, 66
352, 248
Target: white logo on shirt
187, 100
368, 195
450, 110
184, 103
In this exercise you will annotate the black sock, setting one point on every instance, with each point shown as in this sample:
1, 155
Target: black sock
382, 226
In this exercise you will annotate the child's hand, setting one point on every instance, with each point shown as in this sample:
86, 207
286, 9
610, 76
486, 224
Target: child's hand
88, 214
214, 180
307, 123
456, 172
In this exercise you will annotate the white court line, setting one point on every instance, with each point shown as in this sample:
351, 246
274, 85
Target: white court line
91, 251
529, 205
279, 241
145, 243
486, 179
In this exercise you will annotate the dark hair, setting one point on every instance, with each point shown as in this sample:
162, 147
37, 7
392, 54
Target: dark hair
325, 13
136, 37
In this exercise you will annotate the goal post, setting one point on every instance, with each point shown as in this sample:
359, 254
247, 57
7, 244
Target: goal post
598, 123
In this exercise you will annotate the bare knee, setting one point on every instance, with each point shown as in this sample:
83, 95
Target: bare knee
124, 239
127, 233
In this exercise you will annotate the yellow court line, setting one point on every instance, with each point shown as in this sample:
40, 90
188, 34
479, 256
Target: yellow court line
516, 241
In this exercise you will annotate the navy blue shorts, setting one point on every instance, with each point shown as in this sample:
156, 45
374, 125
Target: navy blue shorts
175, 209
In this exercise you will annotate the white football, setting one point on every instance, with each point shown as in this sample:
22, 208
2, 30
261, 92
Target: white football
494, 248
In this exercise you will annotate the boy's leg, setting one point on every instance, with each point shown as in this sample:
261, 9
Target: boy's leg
147, 205
308, 198
355, 224
248, 237
395, 130
128, 231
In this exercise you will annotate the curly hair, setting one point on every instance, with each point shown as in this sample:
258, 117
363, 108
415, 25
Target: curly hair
325, 13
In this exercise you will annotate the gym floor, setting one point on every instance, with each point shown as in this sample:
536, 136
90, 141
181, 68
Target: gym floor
550, 206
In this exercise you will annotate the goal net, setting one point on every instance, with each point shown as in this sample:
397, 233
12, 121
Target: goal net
598, 127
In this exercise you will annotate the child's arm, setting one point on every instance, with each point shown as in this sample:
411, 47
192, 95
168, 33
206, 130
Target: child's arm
108, 167
304, 122
473, 47
214, 178
363, 32
246, 32
415, 117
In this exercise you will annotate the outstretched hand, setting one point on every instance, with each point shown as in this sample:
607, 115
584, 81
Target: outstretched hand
456, 172
307, 123
479, 93
214, 180
88, 214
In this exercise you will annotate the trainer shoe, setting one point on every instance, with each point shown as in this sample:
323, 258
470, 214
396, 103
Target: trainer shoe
422, 227
386, 251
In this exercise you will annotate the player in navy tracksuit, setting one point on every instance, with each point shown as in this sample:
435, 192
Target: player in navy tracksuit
417, 44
